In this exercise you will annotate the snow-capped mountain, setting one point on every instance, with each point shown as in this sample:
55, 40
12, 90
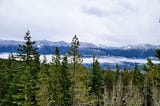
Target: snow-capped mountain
86, 49
131, 52
87, 45
42, 43
9, 42
140, 47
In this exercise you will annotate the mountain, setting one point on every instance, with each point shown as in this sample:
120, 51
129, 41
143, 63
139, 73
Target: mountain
9, 43
140, 47
87, 45
126, 56
42, 43
86, 49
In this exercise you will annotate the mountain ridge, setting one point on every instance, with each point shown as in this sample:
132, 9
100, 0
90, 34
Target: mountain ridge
82, 44
86, 49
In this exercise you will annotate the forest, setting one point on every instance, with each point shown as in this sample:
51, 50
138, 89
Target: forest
25, 81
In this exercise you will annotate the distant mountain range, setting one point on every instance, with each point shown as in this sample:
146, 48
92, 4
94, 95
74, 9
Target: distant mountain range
126, 56
86, 49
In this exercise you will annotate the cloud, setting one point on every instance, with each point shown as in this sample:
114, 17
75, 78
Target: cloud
110, 9
119, 60
112, 23
106, 59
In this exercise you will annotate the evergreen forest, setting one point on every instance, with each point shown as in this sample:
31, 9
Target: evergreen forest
27, 81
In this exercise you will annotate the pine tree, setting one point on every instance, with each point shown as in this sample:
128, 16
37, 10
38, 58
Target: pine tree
137, 76
76, 59
65, 83
78, 75
54, 76
135, 73
6, 77
26, 50
96, 80
28, 77
152, 81
43, 85
117, 72
25, 90
149, 82
158, 68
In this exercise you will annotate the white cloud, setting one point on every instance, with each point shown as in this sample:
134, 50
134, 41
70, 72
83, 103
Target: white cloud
119, 60
106, 59
108, 22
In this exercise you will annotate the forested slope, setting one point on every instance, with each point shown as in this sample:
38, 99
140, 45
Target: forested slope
24, 81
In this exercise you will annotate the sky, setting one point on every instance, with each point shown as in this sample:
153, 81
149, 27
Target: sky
105, 22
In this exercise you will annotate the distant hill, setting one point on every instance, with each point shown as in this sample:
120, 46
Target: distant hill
86, 49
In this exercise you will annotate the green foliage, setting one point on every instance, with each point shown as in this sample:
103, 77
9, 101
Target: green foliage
66, 82
157, 54
138, 77
25, 77
55, 75
78, 75
117, 72
5, 78
25, 94
96, 78
42, 93
26, 51
152, 81
74, 51
96, 81
109, 79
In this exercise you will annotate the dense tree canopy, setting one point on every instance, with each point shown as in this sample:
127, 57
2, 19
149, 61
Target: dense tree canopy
24, 81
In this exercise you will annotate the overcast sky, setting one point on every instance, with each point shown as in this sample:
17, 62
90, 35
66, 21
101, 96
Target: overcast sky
107, 22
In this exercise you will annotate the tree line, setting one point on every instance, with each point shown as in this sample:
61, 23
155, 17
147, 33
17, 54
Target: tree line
25, 81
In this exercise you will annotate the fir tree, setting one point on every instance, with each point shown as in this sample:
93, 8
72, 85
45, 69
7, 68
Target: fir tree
76, 59
6, 77
117, 72
137, 76
96, 79
65, 83
78, 75
27, 84
55, 75
26, 50
42, 93
158, 68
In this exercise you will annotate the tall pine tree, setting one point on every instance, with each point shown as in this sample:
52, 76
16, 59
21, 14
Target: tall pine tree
27, 85
65, 83
78, 74
96, 80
